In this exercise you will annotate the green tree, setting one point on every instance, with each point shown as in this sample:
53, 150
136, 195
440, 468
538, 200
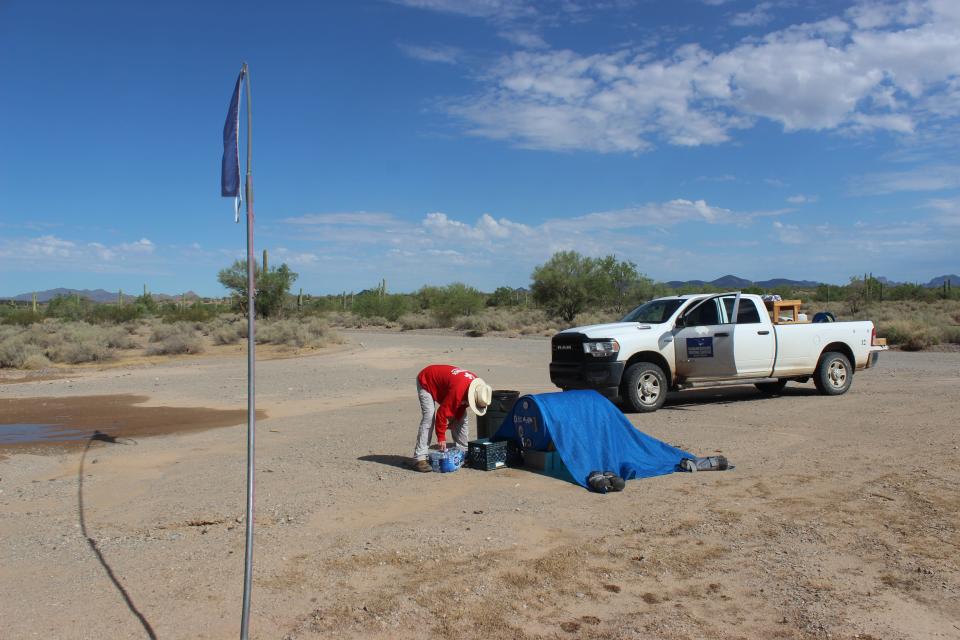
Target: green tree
455, 300
503, 297
146, 302
390, 305
564, 284
272, 287
69, 308
569, 282
619, 285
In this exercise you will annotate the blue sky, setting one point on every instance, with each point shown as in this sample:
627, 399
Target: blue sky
432, 141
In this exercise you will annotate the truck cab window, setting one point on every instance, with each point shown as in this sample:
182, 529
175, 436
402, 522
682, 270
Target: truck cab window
706, 314
746, 313
655, 311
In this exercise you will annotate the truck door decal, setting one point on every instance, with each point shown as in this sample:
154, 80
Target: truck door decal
700, 347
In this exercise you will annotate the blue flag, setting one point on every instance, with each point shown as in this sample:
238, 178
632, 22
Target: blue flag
230, 168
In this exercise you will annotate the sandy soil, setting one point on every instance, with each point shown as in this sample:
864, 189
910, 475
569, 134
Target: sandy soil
840, 520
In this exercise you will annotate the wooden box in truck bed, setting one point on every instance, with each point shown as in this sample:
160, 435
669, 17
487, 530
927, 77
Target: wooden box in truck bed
783, 311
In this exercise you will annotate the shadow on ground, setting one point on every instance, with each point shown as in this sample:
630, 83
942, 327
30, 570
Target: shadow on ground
391, 460
99, 436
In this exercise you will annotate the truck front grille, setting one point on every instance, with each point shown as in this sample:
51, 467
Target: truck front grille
567, 347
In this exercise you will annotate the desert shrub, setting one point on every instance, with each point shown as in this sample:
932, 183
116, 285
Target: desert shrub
120, 338
920, 340
451, 301
196, 312
176, 343
77, 342
36, 361
473, 325
909, 334
353, 321
596, 317
481, 323
389, 306
22, 317
161, 332
69, 308
410, 321
15, 350
228, 333
951, 335
172, 339
313, 332
111, 314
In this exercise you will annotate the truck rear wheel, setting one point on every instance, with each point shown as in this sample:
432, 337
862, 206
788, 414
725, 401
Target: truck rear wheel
644, 387
834, 375
771, 388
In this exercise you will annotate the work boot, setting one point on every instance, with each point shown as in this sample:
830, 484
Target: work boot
614, 482
421, 465
598, 482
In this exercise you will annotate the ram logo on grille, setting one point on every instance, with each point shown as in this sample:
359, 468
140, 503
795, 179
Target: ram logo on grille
563, 347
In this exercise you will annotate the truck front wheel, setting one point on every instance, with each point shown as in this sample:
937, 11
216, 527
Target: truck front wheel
833, 375
644, 387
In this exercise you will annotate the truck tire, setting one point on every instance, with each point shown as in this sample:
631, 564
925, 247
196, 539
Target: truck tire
771, 388
644, 387
834, 375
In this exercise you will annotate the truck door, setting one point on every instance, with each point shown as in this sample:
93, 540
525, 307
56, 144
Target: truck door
703, 341
754, 343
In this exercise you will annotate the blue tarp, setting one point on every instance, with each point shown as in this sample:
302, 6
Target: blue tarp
590, 434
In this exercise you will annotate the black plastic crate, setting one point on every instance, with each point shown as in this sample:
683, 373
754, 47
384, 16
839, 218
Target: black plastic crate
487, 455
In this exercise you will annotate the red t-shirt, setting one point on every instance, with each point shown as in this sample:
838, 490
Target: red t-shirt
448, 385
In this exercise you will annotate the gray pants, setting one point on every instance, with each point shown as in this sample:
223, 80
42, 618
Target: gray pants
460, 428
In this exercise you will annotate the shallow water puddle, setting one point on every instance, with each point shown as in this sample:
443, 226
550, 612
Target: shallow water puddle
71, 421
20, 433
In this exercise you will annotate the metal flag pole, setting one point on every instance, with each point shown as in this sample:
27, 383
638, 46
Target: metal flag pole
251, 384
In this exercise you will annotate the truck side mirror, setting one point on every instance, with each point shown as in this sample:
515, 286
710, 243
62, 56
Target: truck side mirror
681, 322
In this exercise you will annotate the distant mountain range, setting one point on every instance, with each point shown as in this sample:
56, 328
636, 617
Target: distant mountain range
733, 282
96, 295
729, 282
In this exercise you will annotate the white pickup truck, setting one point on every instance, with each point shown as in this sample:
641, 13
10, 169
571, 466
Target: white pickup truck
707, 339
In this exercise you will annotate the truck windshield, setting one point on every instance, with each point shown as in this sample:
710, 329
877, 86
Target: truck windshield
654, 312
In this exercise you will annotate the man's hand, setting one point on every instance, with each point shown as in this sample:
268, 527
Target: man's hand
443, 446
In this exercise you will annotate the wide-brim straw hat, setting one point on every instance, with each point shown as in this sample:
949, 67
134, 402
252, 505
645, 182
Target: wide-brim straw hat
479, 396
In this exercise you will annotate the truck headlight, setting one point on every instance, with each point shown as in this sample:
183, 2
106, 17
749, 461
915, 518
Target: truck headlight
601, 348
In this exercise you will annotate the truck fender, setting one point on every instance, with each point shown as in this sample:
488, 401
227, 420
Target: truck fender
655, 358
840, 347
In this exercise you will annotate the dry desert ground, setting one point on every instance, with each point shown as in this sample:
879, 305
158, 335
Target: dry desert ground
840, 520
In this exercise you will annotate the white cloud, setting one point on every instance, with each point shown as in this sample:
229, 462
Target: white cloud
141, 246
947, 211
44, 246
439, 241
790, 233
445, 55
352, 218
802, 199
294, 258
524, 38
878, 68
924, 178
474, 8
756, 17
52, 252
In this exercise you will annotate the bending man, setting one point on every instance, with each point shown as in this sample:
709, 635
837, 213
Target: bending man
445, 393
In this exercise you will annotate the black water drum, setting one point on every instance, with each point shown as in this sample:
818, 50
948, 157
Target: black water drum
500, 406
